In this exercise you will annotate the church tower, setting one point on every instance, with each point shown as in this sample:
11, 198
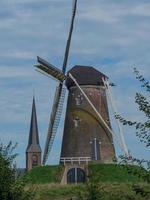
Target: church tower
33, 151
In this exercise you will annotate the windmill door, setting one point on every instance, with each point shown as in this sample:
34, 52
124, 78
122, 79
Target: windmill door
76, 175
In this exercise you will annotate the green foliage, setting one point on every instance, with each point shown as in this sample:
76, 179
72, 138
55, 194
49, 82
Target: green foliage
115, 182
45, 174
113, 173
93, 191
57, 191
142, 191
137, 167
19, 192
6, 152
142, 129
7, 175
10, 189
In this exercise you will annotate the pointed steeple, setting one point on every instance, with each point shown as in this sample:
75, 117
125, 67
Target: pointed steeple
33, 142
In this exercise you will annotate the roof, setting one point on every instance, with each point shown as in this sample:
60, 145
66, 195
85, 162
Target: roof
85, 75
33, 142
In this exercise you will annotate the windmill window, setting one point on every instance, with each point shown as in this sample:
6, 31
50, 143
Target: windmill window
77, 121
95, 149
107, 120
78, 100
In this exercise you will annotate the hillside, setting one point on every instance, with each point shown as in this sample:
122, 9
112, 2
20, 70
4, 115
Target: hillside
99, 172
113, 173
110, 179
45, 174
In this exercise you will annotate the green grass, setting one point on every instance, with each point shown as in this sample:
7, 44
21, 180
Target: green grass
56, 191
44, 174
98, 172
113, 173
105, 191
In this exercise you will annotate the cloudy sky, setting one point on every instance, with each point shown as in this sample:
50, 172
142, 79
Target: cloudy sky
112, 35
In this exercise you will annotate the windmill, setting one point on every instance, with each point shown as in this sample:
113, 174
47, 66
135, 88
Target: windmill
87, 131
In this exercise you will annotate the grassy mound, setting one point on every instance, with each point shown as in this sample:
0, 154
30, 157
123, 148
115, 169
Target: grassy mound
113, 173
97, 172
45, 174
108, 181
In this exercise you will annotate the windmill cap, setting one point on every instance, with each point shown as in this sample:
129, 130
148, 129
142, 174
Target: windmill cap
85, 75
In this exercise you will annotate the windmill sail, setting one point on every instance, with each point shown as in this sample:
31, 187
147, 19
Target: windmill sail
50, 70
54, 121
70, 36
59, 96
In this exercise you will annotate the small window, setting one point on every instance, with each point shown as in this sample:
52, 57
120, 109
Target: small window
78, 100
95, 149
34, 160
77, 121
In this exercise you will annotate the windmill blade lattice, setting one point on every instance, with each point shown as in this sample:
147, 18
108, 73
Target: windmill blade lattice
50, 69
54, 121
59, 96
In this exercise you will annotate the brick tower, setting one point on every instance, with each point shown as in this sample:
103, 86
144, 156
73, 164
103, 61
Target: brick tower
85, 139
33, 151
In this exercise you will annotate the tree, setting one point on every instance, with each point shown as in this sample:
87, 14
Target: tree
142, 131
7, 175
142, 128
10, 188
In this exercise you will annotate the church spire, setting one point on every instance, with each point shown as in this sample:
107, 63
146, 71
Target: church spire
33, 135
33, 151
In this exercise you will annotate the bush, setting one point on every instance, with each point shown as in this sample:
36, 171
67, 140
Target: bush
10, 188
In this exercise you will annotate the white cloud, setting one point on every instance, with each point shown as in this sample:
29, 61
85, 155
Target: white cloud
17, 54
142, 10
97, 14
